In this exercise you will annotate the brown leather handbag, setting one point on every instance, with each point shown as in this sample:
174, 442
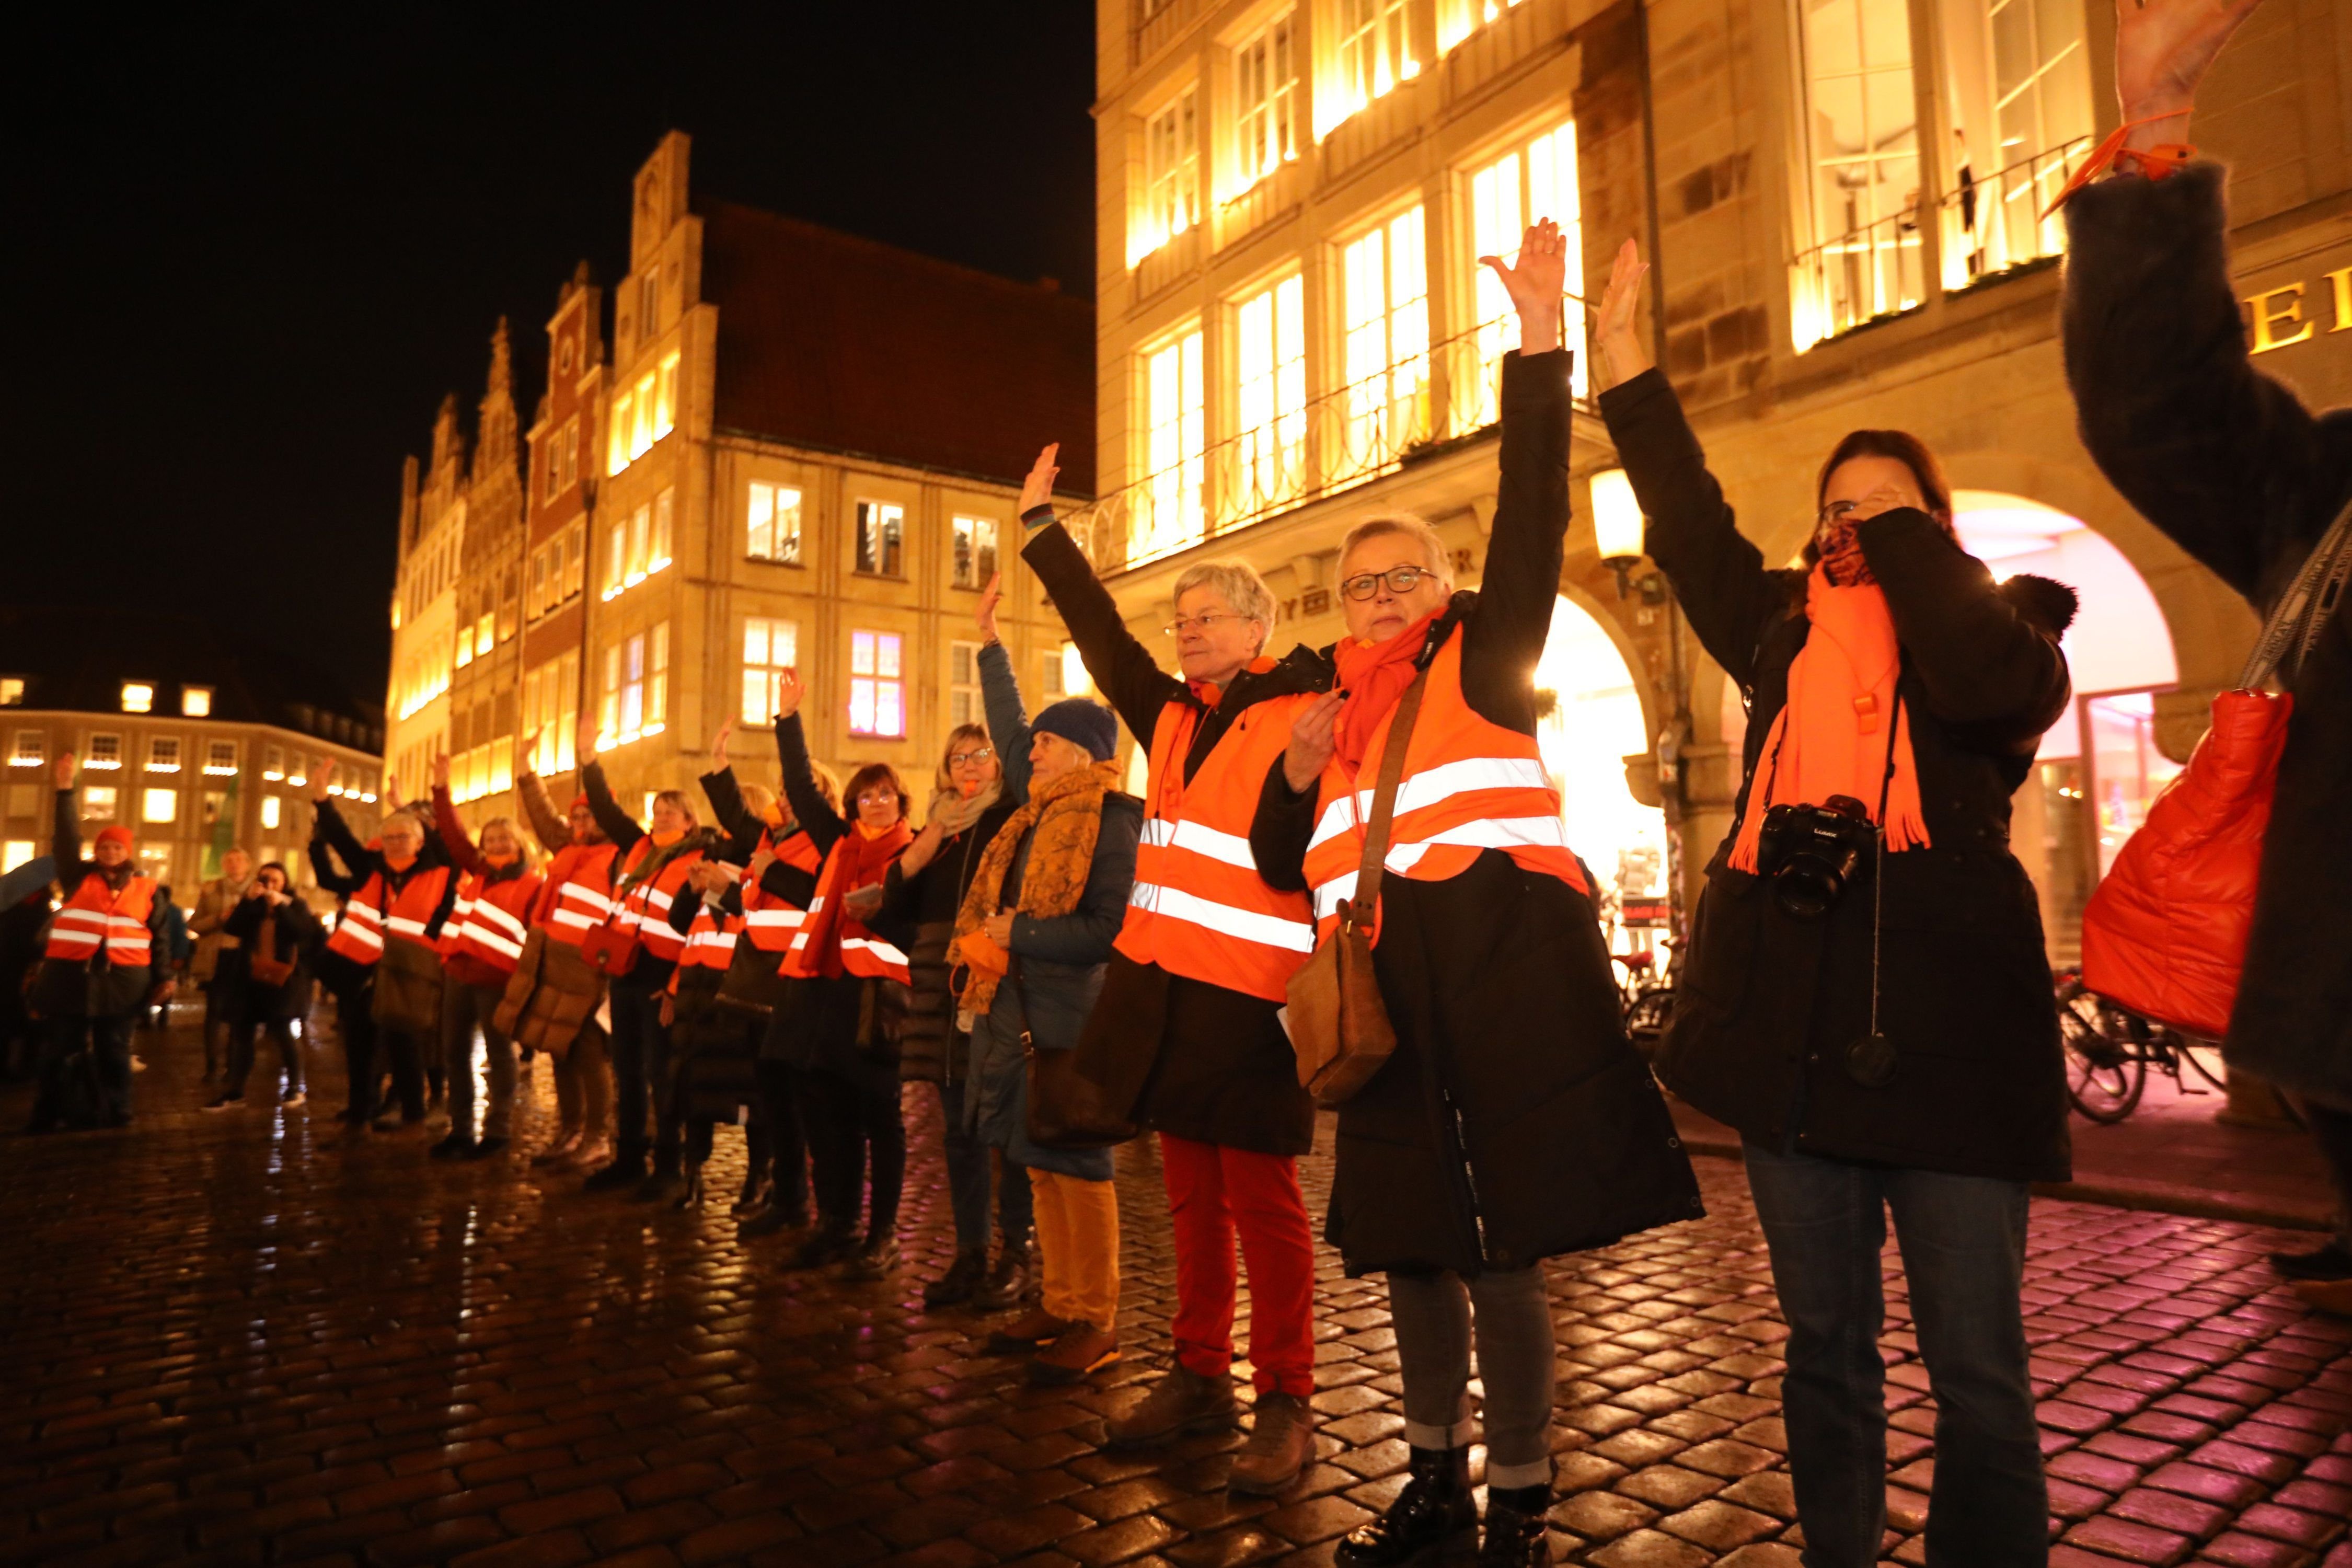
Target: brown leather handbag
1067, 1108
264, 965
1338, 1025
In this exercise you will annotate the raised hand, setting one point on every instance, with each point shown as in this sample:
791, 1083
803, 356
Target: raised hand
789, 691
2163, 49
718, 745
441, 770
530, 751
990, 598
67, 764
1617, 339
1535, 284
1038, 490
326, 776
1312, 742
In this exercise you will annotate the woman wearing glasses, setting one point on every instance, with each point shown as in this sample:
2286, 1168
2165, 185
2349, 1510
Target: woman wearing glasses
1185, 1030
1514, 1121
1866, 998
971, 799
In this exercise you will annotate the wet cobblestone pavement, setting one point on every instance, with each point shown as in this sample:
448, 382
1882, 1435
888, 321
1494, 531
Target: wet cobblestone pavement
246, 1338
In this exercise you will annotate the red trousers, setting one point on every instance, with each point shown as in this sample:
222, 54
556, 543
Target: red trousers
1213, 1192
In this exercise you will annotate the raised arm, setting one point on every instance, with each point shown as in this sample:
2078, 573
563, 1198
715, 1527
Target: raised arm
1008, 721
553, 831
823, 825
339, 838
462, 853
618, 825
1122, 668
1982, 661
323, 871
64, 836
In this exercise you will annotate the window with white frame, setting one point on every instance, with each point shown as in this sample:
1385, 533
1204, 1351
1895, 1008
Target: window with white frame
1374, 53
1171, 175
273, 765
771, 646
975, 550
658, 549
163, 753
964, 704
881, 529
567, 451
1052, 676
105, 752
773, 526
878, 689
1534, 180
1266, 97
220, 758
29, 750
1384, 302
1860, 154
2021, 124
1269, 400
1175, 441
551, 471
665, 397
99, 801
617, 444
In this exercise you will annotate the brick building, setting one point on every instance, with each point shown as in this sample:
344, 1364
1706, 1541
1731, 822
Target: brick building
1839, 199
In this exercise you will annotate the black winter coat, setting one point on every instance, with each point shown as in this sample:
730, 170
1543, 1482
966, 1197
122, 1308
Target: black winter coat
1514, 1121
297, 938
1770, 1005
92, 987
2236, 471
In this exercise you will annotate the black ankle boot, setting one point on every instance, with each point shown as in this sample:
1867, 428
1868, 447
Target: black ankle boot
1516, 1535
1435, 1508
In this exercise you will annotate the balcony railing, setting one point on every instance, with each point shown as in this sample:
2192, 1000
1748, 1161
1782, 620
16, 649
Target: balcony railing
1344, 438
1878, 269
1993, 223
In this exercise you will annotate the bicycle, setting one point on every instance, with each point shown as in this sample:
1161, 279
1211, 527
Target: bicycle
2110, 1049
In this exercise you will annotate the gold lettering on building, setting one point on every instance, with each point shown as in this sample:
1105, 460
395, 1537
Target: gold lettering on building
2268, 317
2342, 280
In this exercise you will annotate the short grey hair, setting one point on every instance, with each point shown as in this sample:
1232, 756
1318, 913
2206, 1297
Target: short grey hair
1240, 586
1406, 525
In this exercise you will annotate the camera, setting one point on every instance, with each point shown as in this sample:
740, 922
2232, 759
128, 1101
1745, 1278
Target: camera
1810, 852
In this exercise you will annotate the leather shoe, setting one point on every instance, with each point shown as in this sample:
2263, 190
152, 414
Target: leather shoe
1077, 1350
877, 1259
1435, 1510
1183, 1402
1516, 1535
1006, 1284
954, 1288
1281, 1441
1029, 1332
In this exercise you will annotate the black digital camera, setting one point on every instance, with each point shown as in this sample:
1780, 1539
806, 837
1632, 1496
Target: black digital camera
1810, 852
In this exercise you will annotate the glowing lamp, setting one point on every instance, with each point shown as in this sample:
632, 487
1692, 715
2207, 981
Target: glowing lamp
1616, 523
1076, 681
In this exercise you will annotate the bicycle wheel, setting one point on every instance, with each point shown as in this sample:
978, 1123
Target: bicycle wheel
1646, 1019
2104, 1077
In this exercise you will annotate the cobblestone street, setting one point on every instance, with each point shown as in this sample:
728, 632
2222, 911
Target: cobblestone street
246, 1338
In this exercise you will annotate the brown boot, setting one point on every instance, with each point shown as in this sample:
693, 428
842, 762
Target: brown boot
1281, 1441
1183, 1403
1033, 1329
1079, 1350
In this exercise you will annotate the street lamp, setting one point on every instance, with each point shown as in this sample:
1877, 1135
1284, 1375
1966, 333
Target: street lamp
1616, 524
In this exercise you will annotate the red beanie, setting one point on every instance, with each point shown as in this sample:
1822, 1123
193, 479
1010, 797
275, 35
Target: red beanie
580, 800
116, 833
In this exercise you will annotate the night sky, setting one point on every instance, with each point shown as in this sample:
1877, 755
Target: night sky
253, 254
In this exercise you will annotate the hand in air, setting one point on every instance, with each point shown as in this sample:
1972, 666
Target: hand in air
1038, 490
1619, 350
1535, 284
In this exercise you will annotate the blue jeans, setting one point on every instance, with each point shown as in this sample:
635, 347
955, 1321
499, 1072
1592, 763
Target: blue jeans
967, 1179
1963, 1245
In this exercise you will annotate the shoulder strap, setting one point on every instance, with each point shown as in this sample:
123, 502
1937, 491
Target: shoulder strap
1376, 833
2303, 612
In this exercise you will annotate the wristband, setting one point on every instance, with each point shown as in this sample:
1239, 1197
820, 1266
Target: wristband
2159, 162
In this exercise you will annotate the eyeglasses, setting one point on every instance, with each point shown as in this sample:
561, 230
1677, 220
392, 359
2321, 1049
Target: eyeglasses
878, 797
964, 759
1182, 623
1836, 512
1400, 579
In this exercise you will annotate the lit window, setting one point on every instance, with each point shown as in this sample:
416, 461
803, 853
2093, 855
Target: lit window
14, 853
1175, 437
1384, 279
633, 686
105, 752
1266, 80
1270, 399
1050, 670
975, 550
1373, 53
160, 806
1535, 182
2021, 126
877, 697
617, 455
270, 809
220, 758
769, 648
98, 802
616, 558
164, 754
138, 697
774, 530
30, 748
641, 422
485, 633
273, 766
608, 727
567, 719
465, 646
640, 525
880, 526
568, 451
964, 704
296, 773
535, 586
1171, 175
195, 701
1862, 147
656, 681
665, 397
12, 691
657, 552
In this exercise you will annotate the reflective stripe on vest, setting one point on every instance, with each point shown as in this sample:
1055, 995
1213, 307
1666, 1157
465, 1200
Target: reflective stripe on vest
486, 922
645, 907
871, 958
97, 916
768, 919
1199, 907
584, 898
359, 933
411, 912
1468, 786
709, 942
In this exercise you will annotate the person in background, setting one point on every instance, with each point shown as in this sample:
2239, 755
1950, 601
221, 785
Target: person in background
480, 945
277, 936
100, 970
575, 895
1043, 907
653, 867
1187, 1030
841, 1035
2231, 465
405, 896
180, 946
24, 911
972, 795
215, 947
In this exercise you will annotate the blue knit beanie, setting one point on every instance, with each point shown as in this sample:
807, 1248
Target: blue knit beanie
1081, 723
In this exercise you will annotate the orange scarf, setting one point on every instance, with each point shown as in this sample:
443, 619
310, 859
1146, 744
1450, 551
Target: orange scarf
1373, 675
1840, 691
858, 859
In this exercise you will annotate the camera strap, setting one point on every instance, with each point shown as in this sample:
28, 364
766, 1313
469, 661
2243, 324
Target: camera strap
1872, 1063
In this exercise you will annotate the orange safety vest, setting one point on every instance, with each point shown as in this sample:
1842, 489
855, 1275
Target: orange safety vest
489, 920
1199, 907
360, 934
97, 916
863, 953
1468, 786
359, 929
645, 907
583, 895
771, 921
710, 939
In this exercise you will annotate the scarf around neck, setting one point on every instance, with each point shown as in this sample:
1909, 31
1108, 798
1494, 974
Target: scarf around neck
1067, 816
1374, 676
955, 813
1831, 737
858, 859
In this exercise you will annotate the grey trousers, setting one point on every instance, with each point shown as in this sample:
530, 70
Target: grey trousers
1433, 1315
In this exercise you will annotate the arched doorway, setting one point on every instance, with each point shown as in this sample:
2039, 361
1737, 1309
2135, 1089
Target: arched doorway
2098, 768
1591, 721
